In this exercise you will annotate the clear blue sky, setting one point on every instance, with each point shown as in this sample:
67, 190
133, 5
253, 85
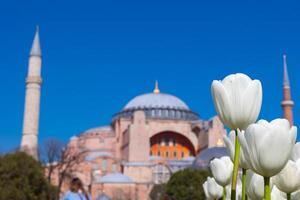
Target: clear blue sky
97, 55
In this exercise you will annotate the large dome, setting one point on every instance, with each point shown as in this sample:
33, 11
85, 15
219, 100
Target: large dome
158, 105
152, 100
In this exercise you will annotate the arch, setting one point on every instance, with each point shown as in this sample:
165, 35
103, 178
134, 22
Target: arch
171, 145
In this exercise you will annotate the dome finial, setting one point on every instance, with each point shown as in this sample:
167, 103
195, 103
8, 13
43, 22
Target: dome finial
220, 143
156, 89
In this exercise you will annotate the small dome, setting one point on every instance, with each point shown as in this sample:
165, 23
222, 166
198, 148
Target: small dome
115, 178
156, 100
103, 196
74, 137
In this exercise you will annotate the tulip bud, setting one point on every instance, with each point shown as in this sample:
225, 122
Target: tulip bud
222, 170
288, 180
277, 194
211, 189
255, 186
237, 100
268, 146
229, 143
296, 152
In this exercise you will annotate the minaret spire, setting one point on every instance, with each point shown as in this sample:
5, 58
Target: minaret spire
156, 89
286, 80
287, 102
36, 47
29, 142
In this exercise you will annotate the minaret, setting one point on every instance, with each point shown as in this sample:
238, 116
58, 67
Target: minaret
287, 103
29, 142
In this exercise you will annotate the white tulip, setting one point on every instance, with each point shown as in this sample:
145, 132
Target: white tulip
255, 186
277, 194
295, 195
237, 100
205, 188
221, 169
211, 189
230, 146
288, 179
296, 152
238, 190
267, 146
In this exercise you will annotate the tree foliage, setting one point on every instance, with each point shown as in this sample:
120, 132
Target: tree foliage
158, 192
187, 185
22, 178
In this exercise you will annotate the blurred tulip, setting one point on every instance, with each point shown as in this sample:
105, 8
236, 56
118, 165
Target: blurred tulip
267, 146
237, 100
288, 179
229, 143
277, 194
221, 169
296, 152
295, 195
208, 197
211, 189
255, 186
238, 190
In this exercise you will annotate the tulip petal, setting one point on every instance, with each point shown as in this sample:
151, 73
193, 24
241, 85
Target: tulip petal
229, 143
251, 100
296, 152
221, 102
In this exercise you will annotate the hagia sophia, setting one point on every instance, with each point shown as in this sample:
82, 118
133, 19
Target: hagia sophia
153, 136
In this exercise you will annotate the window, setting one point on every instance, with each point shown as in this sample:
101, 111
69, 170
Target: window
174, 154
104, 164
114, 167
158, 153
161, 174
167, 154
182, 154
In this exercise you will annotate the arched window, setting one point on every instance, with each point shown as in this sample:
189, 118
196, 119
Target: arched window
167, 154
182, 154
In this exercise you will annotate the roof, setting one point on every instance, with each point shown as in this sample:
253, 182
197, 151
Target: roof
99, 129
94, 155
115, 178
156, 100
205, 156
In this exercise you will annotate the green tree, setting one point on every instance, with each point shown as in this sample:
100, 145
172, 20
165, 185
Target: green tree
22, 178
158, 192
187, 185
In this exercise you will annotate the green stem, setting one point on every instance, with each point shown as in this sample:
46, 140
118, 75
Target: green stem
235, 167
288, 196
267, 188
244, 197
224, 193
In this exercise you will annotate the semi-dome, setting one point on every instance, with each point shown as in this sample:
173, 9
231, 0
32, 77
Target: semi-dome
158, 105
203, 159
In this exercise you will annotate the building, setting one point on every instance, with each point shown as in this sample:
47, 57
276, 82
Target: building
153, 136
